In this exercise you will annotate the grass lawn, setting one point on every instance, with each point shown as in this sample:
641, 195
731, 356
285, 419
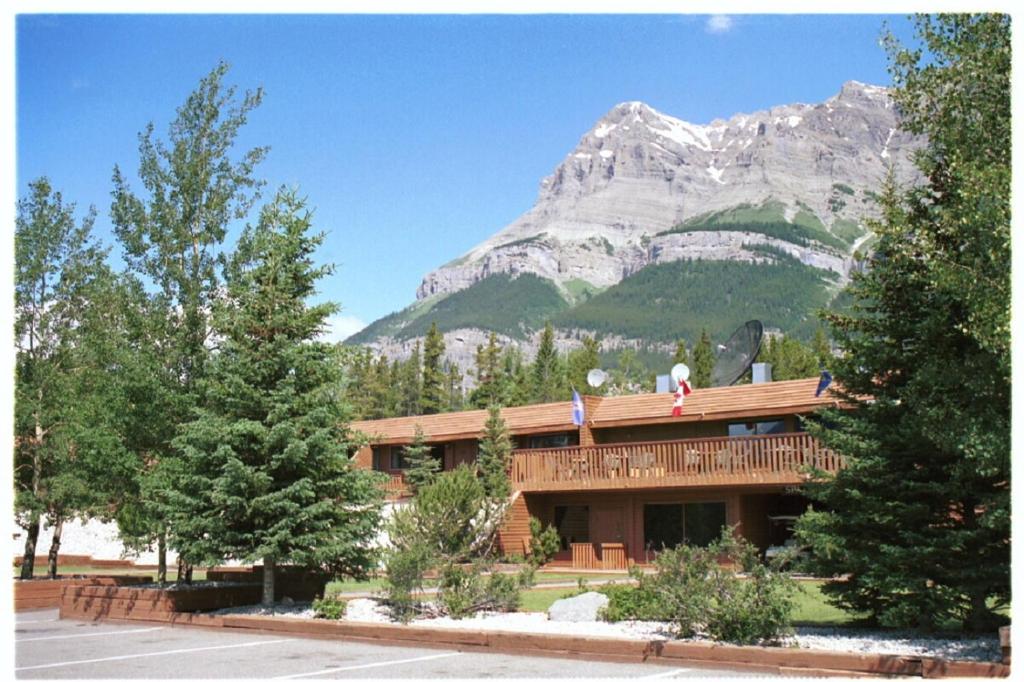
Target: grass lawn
541, 600
813, 609
39, 571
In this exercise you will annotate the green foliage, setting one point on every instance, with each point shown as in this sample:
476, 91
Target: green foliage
423, 467
488, 389
920, 517
265, 469
664, 302
698, 595
391, 324
703, 359
847, 230
548, 372
579, 363
330, 608
845, 189
804, 231
432, 397
495, 456
629, 602
463, 590
500, 303
544, 542
790, 359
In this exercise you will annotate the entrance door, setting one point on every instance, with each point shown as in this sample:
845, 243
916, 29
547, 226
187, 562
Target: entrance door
607, 523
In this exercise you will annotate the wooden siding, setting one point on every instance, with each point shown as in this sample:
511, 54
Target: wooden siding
748, 460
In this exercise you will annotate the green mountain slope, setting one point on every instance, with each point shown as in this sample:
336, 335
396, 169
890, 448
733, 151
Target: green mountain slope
675, 300
500, 303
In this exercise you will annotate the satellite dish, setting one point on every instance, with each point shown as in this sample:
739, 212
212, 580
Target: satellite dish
737, 354
679, 373
596, 377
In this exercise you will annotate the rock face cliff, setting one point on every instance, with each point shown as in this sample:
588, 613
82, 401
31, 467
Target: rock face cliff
643, 188
639, 172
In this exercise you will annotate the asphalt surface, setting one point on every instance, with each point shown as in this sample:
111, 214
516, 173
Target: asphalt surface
49, 648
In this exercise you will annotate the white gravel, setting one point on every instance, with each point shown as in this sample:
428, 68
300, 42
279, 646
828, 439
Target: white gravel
902, 643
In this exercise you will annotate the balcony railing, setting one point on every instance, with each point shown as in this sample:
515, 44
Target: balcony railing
396, 486
746, 460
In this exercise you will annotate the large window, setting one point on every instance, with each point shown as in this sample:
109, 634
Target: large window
552, 440
756, 428
398, 460
380, 458
572, 523
694, 523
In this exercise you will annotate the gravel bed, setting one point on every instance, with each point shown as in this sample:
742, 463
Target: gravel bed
903, 643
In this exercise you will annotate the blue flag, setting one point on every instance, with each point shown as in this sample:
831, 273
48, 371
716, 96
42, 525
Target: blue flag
823, 383
577, 408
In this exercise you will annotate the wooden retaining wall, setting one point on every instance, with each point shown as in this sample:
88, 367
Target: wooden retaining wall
94, 602
802, 662
42, 593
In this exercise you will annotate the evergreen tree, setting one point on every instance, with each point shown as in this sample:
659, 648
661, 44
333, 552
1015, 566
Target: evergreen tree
547, 372
410, 388
421, 465
174, 234
703, 361
821, 347
920, 517
432, 393
265, 468
789, 358
681, 354
579, 364
382, 390
514, 383
495, 456
488, 369
454, 395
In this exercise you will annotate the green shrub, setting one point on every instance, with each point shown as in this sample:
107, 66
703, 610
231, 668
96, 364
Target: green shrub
464, 590
701, 596
331, 608
544, 542
630, 602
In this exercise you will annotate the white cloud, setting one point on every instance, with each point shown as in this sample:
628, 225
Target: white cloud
718, 23
340, 327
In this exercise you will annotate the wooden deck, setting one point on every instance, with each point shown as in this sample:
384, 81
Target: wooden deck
750, 460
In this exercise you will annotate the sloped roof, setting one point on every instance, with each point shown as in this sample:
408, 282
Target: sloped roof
727, 402
459, 425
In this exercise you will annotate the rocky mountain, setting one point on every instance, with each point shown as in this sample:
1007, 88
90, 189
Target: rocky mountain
641, 188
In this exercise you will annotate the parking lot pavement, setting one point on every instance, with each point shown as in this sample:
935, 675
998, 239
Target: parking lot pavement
49, 648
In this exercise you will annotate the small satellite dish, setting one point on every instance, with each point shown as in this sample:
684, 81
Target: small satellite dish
596, 377
737, 354
680, 372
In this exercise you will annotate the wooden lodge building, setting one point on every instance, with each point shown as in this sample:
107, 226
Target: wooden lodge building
633, 478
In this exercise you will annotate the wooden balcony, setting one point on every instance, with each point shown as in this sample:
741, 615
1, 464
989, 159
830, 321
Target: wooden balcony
779, 459
396, 487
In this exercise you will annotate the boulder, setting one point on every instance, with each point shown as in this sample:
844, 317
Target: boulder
579, 609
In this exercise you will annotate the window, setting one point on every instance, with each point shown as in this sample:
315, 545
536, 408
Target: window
552, 440
398, 458
573, 524
380, 458
694, 523
756, 428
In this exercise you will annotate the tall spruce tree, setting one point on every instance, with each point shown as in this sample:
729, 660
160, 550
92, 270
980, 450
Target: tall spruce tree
194, 187
681, 354
408, 378
421, 465
547, 372
265, 469
432, 394
920, 517
488, 374
703, 359
495, 456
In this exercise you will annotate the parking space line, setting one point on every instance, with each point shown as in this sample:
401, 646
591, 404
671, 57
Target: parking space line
364, 666
667, 673
89, 634
64, 664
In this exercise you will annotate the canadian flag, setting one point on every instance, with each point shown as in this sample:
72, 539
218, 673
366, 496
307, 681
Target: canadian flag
683, 390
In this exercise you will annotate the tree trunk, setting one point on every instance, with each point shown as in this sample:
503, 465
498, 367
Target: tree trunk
180, 577
161, 558
268, 580
58, 529
188, 574
28, 561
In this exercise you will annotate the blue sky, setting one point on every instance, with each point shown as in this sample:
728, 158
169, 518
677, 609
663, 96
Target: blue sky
414, 137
